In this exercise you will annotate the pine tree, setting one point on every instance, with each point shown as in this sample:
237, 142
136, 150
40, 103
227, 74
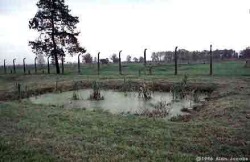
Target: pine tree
57, 31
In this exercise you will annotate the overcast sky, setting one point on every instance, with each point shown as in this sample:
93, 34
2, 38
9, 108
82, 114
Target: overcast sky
132, 25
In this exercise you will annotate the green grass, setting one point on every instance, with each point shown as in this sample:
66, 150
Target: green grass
197, 73
37, 133
226, 68
223, 68
46, 133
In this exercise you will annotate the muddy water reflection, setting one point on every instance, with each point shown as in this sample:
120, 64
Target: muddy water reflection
114, 102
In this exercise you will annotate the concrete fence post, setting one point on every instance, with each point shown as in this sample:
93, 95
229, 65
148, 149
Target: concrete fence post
48, 64
145, 57
120, 65
175, 60
211, 60
4, 66
14, 66
35, 64
79, 68
24, 66
98, 63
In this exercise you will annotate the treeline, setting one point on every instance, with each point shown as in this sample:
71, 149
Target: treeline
185, 55
245, 54
168, 56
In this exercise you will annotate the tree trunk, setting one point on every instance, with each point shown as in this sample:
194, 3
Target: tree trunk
62, 65
57, 64
53, 39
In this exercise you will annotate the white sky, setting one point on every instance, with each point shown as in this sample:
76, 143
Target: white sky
109, 26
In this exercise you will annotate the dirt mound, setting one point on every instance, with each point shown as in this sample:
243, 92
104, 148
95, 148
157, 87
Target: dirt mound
115, 85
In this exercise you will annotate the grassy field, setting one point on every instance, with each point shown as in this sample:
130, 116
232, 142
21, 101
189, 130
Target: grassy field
220, 128
223, 68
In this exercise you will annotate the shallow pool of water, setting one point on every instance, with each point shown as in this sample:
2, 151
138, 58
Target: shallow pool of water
114, 102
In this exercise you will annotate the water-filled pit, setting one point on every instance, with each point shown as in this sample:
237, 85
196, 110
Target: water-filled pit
117, 102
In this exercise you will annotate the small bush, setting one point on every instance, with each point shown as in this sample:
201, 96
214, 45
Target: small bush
161, 109
75, 96
178, 90
127, 86
195, 96
184, 109
145, 92
96, 95
180, 118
